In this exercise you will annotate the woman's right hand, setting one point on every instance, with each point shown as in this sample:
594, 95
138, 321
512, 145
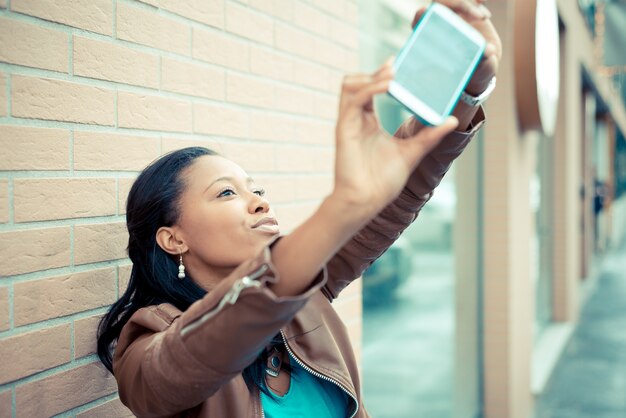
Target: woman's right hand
372, 167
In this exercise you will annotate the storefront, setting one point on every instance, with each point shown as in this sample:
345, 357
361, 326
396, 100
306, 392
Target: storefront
468, 313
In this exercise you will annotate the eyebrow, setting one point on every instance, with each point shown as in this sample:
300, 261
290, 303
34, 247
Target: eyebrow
249, 180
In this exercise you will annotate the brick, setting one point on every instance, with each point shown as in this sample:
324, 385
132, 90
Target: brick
272, 126
153, 112
4, 201
295, 41
265, 62
209, 12
250, 24
169, 144
329, 53
38, 300
351, 13
91, 15
63, 391
251, 156
192, 79
221, 49
6, 397
326, 106
41, 98
344, 34
63, 198
124, 185
149, 28
282, 9
3, 95
249, 91
85, 335
311, 19
265, 6
311, 131
335, 80
108, 61
123, 277
331, 6
311, 75
304, 159
33, 352
352, 62
112, 408
313, 187
34, 249
33, 46
294, 100
348, 307
26, 148
109, 151
4, 310
100, 242
290, 216
221, 120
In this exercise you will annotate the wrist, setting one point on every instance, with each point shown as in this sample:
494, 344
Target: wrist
478, 84
349, 210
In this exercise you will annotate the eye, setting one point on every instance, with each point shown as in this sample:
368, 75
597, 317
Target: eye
226, 192
259, 192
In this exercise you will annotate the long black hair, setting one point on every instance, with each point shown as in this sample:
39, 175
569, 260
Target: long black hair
153, 202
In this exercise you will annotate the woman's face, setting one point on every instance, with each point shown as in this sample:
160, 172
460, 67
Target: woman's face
224, 218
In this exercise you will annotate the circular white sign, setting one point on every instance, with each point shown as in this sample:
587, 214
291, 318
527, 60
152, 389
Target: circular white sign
537, 60
547, 61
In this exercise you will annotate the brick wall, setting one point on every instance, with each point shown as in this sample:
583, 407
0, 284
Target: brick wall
93, 90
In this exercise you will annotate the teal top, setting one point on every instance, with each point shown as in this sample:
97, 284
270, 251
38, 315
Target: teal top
308, 397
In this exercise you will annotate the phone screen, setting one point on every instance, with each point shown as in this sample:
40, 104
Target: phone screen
436, 62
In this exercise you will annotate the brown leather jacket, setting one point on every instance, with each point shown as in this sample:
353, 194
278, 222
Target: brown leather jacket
172, 363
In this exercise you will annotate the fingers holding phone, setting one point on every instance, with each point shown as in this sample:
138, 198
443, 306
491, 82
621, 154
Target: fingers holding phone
371, 167
358, 91
436, 64
478, 15
470, 10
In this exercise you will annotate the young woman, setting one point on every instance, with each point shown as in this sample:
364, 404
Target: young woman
224, 318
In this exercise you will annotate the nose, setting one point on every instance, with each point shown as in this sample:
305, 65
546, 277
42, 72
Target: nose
258, 204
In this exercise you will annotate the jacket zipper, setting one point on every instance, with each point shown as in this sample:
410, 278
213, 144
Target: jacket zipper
319, 375
229, 298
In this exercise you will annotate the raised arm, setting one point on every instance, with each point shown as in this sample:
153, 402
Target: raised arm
364, 247
378, 235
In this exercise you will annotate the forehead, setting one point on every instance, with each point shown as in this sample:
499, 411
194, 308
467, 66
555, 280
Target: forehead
208, 168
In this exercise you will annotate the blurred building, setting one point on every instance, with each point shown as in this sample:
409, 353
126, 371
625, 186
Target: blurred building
503, 256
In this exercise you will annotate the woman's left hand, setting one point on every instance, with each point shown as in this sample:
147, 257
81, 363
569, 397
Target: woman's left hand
372, 167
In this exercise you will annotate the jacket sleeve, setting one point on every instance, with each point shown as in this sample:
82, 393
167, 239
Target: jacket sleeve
378, 235
163, 367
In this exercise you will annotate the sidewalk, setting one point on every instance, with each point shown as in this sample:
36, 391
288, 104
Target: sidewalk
590, 379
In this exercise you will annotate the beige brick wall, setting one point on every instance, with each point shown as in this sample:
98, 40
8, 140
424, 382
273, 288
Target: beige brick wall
91, 91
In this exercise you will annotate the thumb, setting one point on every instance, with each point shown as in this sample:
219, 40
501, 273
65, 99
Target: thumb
416, 147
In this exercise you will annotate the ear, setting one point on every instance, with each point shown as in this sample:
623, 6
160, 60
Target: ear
167, 240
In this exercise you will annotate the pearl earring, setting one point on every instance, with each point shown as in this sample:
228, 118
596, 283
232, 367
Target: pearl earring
181, 268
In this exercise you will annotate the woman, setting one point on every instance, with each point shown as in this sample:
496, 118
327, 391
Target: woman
221, 317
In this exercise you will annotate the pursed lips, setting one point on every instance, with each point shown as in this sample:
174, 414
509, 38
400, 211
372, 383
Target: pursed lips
269, 225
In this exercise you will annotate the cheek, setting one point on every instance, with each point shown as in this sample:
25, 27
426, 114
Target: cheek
220, 238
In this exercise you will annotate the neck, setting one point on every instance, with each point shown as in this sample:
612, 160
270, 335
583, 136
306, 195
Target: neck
208, 277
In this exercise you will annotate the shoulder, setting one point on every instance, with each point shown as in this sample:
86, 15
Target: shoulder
143, 324
154, 317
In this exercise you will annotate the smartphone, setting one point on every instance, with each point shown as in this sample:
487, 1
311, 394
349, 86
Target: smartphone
435, 64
